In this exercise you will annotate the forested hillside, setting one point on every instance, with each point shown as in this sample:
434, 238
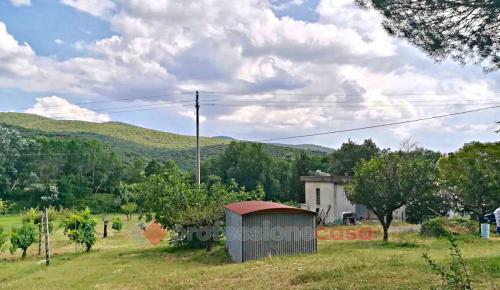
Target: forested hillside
135, 141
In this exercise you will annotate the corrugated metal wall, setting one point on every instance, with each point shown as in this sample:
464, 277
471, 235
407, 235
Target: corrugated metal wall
234, 235
273, 234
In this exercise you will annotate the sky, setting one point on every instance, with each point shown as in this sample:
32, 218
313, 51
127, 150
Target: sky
265, 69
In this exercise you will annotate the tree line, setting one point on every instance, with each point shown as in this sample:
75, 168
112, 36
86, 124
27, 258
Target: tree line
77, 174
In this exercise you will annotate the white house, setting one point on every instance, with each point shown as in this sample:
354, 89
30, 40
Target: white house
325, 195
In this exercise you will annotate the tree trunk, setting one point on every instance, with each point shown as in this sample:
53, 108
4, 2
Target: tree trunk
105, 234
386, 233
209, 245
24, 254
385, 221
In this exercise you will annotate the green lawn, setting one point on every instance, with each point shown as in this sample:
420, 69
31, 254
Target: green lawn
126, 261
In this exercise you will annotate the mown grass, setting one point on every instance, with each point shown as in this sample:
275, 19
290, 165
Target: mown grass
126, 261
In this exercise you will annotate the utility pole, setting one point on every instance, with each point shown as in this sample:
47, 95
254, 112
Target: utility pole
198, 175
47, 247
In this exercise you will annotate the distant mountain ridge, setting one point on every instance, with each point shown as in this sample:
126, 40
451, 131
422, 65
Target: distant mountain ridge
134, 141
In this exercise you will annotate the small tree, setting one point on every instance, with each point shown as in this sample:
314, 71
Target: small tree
22, 238
174, 202
80, 228
3, 238
5, 206
36, 217
470, 178
117, 224
387, 182
129, 209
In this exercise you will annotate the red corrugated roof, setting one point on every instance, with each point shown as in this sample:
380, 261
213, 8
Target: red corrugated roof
247, 207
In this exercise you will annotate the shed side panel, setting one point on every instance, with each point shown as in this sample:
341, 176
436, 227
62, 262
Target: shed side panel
234, 235
274, 234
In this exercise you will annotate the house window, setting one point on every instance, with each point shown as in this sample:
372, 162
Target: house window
318, 196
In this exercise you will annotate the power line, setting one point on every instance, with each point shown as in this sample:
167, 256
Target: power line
353, 102
382, 125
324, 94
135, 109
128, 111
111, 101
292, 106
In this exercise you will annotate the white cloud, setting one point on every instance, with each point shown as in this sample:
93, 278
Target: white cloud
224, 45
192, 115
16, 59
58, 41
475, 128
59, 108
259, 116
20, 2
94, 7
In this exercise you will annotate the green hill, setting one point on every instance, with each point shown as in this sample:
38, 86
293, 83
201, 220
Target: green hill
134, 141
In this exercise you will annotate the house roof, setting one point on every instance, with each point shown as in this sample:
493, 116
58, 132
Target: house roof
328, 179
249, 207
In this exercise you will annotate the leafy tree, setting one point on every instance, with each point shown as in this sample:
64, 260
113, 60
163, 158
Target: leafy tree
80, 228
3, 238
303, 164
429, 204
22, 238
470, 178
387, 182
5, 206
129, 209
153, 167
465, 30
350, 154
250, 166
172, 200
12, 145
135, 171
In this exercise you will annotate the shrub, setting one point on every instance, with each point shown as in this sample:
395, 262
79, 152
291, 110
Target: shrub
441, 227
117, 224
3, 238
22, 238
80, 228
453, 276
433, 228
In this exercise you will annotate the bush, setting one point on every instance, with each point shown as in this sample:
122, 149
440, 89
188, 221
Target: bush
455, 275
22, 238
117, 224
441, 227
3, 238
80, 228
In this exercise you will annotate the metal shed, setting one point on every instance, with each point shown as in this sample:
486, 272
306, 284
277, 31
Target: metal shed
256, 229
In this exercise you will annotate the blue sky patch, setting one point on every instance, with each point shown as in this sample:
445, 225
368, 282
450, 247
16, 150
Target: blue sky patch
46, 22
304, 12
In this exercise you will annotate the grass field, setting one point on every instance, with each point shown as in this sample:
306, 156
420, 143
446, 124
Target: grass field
126, 260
